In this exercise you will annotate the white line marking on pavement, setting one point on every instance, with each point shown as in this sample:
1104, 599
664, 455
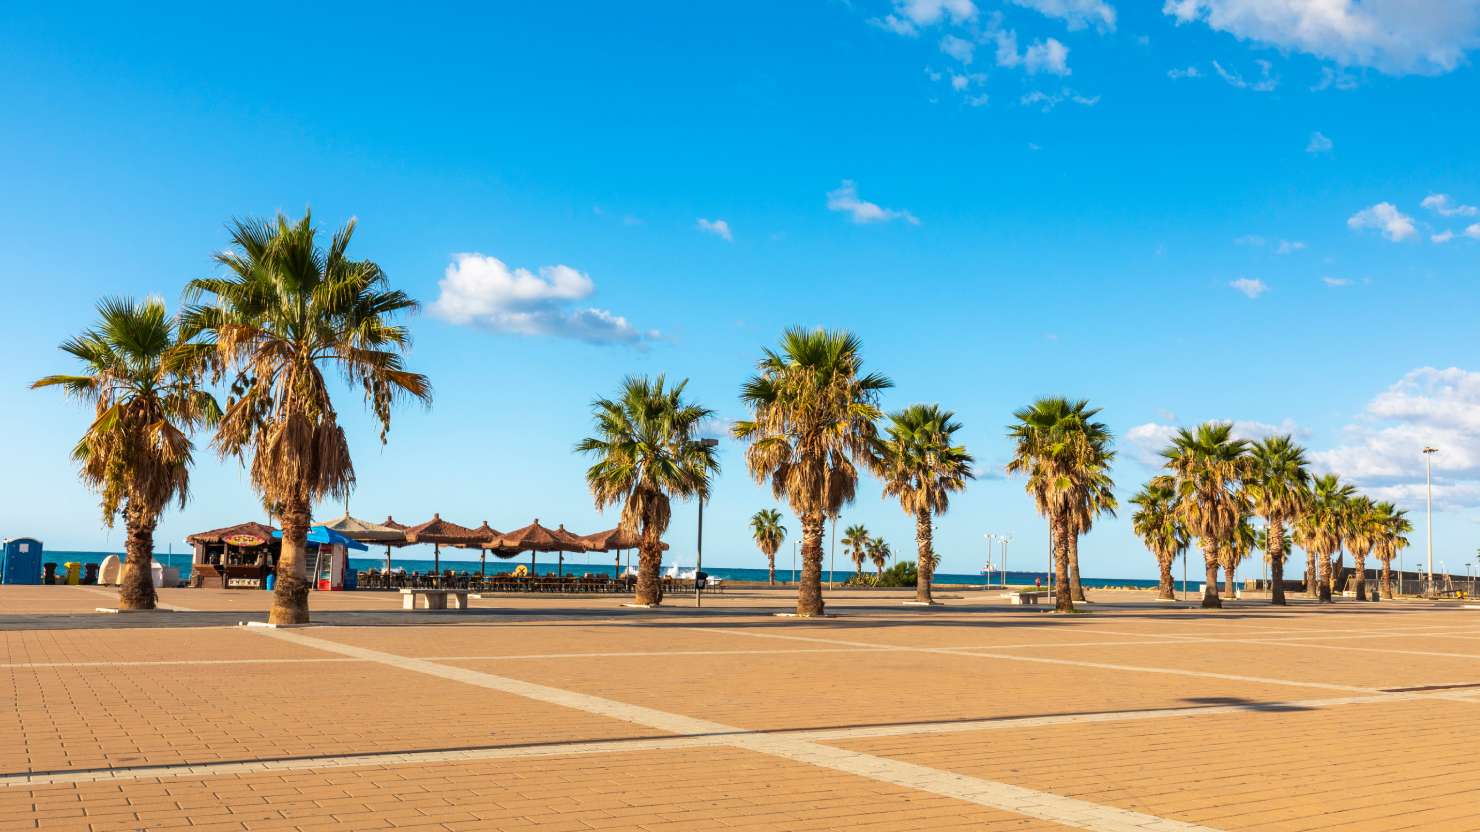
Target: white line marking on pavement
114, 595
1042, 805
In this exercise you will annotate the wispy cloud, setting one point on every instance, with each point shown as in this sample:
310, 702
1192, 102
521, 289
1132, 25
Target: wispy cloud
1384, 217
1265, 83
1318, 144
1445, 206
1177, 74
1250, 287
845, 200
1047, 56
718, 228
1289, 247
1336, 282
483, 291
910, 16
1076, 14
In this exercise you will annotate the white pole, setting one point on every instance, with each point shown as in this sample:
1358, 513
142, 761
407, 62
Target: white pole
1005, 541
1428, 477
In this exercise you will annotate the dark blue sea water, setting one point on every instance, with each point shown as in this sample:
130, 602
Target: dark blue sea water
598, 564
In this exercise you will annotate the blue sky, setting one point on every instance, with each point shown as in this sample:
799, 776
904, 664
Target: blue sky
1229, 209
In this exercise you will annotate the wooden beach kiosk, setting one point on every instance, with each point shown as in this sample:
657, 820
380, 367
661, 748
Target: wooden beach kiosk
234, 557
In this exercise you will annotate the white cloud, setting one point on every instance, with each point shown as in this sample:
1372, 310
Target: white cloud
1179, 74
1007, 51
718, 228
1444, 206
1145, 442
1442, 237
1336, 281
1385, 217
958, 48
1289, 246
1251, 240
845, 200
1250, 286
483, 291
1395, 36
1048, 101
1473, 232
1047, 56
1334, 79
1076, 13
1266, 83
911, 15
1383, 450
1318, 143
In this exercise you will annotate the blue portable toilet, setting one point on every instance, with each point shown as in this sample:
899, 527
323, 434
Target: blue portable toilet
22, 561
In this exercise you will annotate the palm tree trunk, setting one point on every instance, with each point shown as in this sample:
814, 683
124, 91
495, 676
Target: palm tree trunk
1337, 569
771, 567
1310, 574
1166, 590
649, 563
136, 585
1387, 578
1276, 537
1063, 595
1324, 579
809, 590
1210, 599
1359, 562
1228, 588
1074, 586
290, 594
926, 555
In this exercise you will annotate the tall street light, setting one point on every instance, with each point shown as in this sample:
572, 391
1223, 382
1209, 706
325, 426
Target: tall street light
699, 556
987, 569
1006, 539
1428, 484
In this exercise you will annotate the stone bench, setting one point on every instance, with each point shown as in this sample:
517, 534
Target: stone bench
1027, 598
434, 599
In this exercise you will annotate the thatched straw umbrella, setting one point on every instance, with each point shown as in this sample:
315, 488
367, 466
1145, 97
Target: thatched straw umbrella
488, 538
612, 540
437, 531
536, 538
367, 532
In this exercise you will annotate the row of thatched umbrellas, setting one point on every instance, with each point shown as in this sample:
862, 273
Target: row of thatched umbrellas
533, 538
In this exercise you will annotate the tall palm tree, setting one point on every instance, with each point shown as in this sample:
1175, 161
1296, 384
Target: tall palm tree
1157, 523
647, 451
1278, 486
766, 528
1096, 498
1062, 450
1322, 527
921, 465
1364, 525
813, 413
879, 554
137, 451
1391, 539
285, 311
1207, 464
855, 540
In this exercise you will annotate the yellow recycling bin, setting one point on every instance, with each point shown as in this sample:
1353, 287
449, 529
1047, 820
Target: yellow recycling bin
74, 572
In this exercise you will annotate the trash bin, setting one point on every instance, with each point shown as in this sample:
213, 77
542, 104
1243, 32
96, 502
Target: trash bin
74, 572
49, 573
271, 581
90, 574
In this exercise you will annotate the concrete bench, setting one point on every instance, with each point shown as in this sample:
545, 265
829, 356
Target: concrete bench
434, 599
1025, 598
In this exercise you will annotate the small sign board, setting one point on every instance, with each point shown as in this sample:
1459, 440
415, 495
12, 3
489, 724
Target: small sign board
244, 582
243, 540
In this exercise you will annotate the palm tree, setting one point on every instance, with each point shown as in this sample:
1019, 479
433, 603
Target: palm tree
1363, 528
647, 451
1392, 539
921, 465
1062, 450
766, 528
1207, 465
855, 540
1096, 498
1322, 527
284, 312
1278, 486
879, 554
137, 451
812, 423
1156, 522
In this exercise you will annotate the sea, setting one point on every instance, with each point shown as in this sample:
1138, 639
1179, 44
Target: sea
578, 564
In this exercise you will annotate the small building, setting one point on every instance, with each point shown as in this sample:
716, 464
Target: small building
234, 557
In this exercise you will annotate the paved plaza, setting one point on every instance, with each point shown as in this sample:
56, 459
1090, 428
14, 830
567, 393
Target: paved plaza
573, 714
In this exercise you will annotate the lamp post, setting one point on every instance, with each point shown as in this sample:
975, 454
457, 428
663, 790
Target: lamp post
1428, 484
987, 570
1006, 539
699, 555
